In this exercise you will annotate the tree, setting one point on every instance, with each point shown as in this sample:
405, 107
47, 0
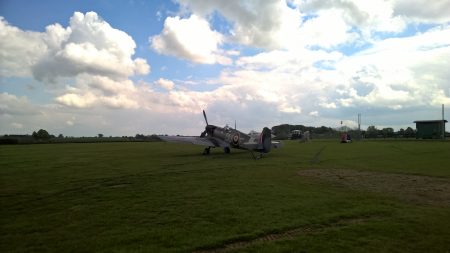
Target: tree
371, 132
409, 132
401, 132
388, 132
139, 137
100, 135
41, 135
282, 131
322, 130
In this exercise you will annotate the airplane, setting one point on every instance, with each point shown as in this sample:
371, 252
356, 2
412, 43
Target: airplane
227, 138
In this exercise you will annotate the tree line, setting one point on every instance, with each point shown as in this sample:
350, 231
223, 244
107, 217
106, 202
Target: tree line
43, 136
284, 131
373, 132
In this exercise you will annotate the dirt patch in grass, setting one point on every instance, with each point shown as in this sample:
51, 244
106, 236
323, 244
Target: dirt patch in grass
412, 188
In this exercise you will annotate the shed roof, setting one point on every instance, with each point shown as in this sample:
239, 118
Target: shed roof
431, 121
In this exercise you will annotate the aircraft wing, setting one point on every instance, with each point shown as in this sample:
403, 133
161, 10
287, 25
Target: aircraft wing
203, 141
254, 145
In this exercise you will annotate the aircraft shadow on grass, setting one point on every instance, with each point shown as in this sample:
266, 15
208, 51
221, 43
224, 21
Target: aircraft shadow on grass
227, 138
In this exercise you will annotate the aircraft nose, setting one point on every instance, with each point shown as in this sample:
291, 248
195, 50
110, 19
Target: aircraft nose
210, 129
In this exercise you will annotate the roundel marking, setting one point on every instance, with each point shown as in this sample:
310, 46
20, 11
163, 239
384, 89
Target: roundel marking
236, 139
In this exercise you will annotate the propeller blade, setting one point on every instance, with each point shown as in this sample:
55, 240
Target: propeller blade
235, 125
204, 115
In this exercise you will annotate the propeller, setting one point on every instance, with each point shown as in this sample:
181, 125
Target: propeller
203, 134
204, 115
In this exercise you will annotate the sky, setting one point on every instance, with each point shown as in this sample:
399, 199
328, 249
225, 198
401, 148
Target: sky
80, 68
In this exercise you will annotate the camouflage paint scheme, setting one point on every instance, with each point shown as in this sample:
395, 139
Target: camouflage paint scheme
227, 137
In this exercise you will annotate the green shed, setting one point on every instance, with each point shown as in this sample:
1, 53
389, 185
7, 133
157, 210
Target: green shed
430, 129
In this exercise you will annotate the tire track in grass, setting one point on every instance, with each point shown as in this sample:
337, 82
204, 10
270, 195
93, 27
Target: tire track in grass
289, 234
83, 186
316, 158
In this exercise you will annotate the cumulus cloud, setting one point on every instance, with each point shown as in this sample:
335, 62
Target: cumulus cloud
422, 10
265, 24
89, 45
314, 113
288, 60
141, 66
12, 105
338, 31
415, 72
166, 84
395, 74
191, 39
90, 91
366, 16
96, 57
19, 50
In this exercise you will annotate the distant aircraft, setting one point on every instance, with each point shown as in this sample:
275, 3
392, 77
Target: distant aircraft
227, 138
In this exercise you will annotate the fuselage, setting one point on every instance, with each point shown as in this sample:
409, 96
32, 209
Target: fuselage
232, 136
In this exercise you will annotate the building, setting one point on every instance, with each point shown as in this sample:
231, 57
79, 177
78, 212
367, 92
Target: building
430, 129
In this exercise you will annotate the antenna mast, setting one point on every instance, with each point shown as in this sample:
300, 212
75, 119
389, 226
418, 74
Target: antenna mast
359, 125
443, 123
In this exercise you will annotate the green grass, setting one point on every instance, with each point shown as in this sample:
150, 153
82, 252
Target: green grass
162, 197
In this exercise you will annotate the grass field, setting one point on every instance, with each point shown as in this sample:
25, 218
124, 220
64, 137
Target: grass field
371, 196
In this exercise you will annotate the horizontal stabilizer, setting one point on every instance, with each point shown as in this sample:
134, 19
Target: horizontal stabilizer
277, 144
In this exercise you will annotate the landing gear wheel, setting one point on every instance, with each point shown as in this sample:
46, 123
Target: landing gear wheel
206, 151
226, 150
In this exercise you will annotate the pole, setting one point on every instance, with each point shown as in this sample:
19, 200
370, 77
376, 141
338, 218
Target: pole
359, 125
443, 123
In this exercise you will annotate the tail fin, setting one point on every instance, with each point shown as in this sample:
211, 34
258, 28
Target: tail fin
266, 140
